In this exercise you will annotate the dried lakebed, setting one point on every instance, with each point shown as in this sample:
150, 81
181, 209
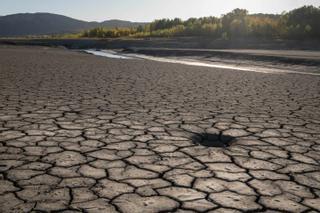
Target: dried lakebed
81, 133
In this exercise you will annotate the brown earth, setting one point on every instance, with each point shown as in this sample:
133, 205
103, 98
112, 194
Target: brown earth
82, 133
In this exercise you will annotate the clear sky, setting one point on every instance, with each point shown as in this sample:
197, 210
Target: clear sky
147, 10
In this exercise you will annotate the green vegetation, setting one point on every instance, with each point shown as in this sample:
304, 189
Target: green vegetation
109, 33
301, 23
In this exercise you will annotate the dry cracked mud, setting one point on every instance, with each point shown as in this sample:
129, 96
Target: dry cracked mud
80, 133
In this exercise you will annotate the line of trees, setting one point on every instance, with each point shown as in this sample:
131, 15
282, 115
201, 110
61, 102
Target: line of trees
301, 23
109, 33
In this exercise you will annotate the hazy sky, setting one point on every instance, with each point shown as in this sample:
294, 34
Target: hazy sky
147, 10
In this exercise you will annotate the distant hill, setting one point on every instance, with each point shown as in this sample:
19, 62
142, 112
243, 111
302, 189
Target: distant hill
113, 23
24, 24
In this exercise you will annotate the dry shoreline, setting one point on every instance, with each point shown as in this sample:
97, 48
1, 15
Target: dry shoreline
179, 42
298, 57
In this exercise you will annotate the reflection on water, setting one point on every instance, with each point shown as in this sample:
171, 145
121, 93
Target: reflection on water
193, 62
107, 53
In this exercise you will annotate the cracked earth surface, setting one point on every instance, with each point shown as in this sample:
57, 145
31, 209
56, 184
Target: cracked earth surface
80, 133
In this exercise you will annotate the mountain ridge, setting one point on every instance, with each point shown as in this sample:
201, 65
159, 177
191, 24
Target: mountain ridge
41, 23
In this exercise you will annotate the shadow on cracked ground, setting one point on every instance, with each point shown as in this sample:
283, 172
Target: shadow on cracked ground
213, 140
